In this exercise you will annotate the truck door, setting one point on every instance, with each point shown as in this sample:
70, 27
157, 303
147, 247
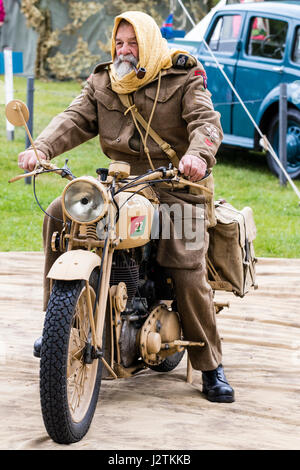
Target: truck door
259, 68
223, 39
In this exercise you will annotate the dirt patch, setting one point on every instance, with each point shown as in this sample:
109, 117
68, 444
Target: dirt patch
261, 357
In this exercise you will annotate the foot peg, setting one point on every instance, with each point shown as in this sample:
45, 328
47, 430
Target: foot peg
37, 347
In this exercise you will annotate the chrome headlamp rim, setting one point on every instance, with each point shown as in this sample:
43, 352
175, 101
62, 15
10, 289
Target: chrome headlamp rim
100, 187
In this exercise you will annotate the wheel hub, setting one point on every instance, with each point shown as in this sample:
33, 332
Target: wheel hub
293, 145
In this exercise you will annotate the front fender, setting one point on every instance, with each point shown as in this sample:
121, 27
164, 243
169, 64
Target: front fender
269, 99
74, 264
293, 97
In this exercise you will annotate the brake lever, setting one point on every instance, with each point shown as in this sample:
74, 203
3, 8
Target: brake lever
66, 171
26, 175
42, 167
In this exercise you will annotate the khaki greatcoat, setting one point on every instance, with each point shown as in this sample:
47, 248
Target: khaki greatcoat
184, 117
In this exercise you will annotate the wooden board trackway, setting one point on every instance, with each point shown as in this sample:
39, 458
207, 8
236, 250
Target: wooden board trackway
261, 356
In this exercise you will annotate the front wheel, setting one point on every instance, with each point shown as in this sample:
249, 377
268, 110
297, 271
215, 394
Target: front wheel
292, 143
69, 386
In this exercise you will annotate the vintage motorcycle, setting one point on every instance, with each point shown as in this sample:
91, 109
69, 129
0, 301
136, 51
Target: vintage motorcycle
112, 309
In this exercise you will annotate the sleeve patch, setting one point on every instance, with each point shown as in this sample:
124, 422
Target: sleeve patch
212, 133
201, 73
181, 61
208, 142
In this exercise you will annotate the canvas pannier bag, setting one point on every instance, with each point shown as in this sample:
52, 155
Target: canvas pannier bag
230, 258
207, 182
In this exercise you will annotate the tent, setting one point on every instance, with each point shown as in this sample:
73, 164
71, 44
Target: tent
65, 39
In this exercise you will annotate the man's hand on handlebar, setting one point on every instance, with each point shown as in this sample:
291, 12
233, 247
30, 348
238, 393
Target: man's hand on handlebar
192, 167
27, 160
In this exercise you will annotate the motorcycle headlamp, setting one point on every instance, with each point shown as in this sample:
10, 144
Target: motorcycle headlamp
85, 200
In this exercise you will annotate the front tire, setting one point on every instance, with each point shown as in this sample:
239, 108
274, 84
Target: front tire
69, 387
292, 142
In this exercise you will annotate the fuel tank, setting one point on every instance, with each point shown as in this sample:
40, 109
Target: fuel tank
134, 219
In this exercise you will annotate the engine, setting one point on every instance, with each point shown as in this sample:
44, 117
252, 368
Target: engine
146, 286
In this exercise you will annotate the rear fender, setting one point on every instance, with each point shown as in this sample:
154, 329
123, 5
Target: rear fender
73, 265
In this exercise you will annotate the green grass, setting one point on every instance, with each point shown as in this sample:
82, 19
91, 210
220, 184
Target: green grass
242, 178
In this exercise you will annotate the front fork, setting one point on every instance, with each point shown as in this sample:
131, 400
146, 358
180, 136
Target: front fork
98, 312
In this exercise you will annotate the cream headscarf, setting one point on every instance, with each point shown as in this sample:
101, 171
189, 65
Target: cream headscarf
154, 54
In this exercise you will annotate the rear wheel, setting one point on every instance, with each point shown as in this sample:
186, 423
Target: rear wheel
292, 143
169, 363
69, 386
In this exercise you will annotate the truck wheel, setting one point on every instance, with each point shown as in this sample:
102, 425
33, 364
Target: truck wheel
169, 363
69, 385
292, 143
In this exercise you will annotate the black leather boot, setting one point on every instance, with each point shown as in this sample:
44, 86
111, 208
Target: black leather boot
215, 386
37, 347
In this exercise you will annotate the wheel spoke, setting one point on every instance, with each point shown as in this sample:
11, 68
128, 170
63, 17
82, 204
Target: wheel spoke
80, 375
83, 315
78, 387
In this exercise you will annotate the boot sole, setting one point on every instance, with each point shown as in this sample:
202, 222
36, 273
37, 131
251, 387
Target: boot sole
220, 398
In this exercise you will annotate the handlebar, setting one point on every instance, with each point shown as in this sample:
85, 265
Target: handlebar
171, 175
42, 167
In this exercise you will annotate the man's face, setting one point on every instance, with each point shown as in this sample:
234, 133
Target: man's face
127, 49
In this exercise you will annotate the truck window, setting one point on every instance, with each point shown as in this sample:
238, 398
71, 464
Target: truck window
267, 38
296, 48
225, 34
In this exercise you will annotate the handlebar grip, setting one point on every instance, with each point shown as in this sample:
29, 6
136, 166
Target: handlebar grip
18, 177
44, 164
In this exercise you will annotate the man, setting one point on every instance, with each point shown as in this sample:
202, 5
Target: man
172, 89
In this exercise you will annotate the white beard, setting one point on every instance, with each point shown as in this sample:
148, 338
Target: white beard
123, 67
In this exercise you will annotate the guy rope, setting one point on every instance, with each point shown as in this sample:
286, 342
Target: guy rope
264, 141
